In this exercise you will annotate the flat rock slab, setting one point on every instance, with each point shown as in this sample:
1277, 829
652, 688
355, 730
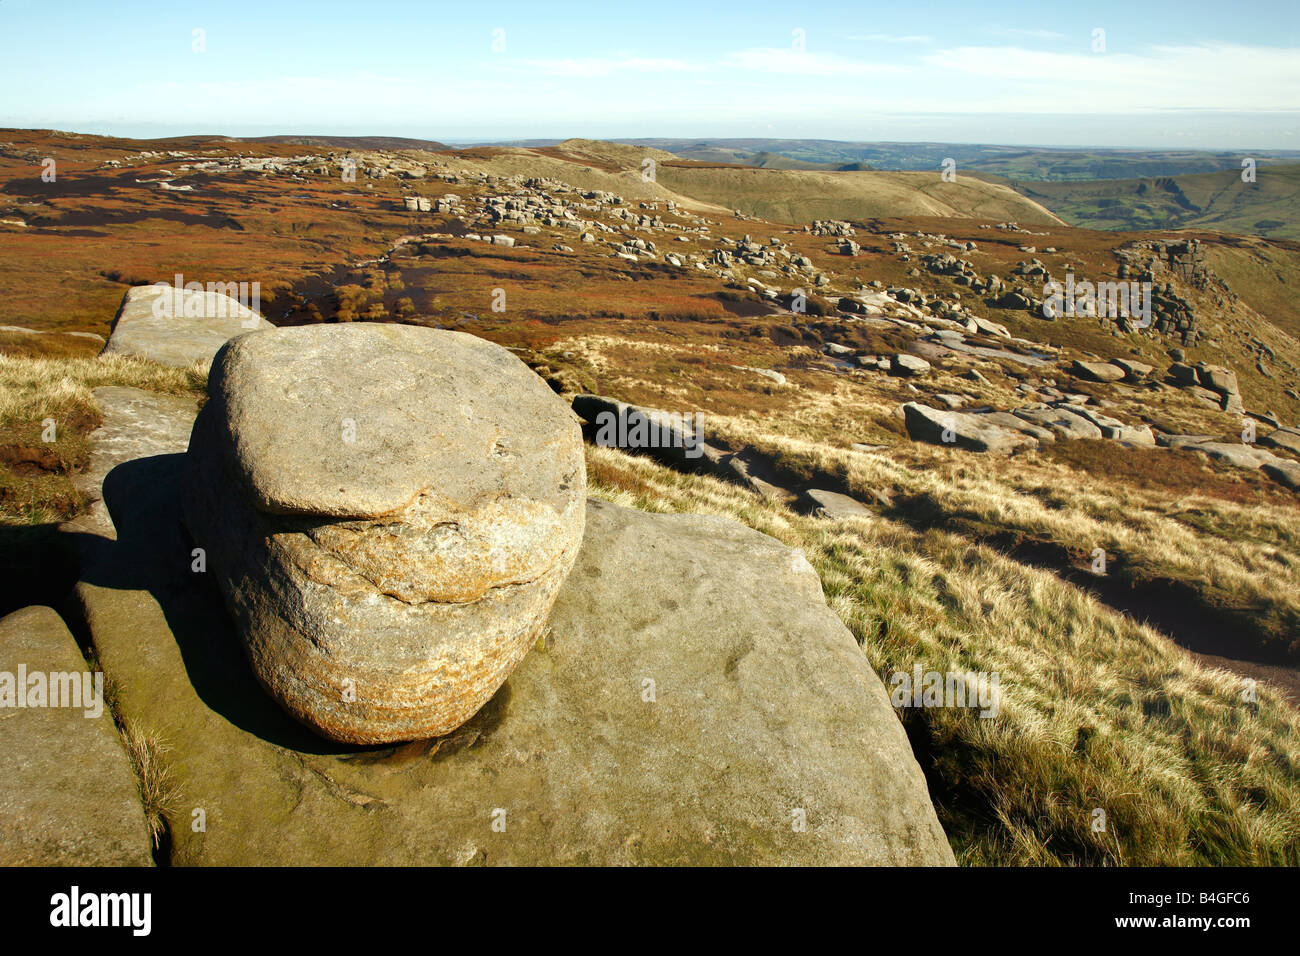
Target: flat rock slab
692, 692
832, 504
1284, 438
156, 323
68, 794
1097, 371
136, 425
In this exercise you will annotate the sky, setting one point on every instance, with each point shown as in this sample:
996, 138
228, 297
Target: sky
1191, 74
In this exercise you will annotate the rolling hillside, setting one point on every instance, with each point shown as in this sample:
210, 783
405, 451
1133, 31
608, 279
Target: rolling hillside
1219, 201
799, 196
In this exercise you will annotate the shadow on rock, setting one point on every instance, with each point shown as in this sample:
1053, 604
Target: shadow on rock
153, 553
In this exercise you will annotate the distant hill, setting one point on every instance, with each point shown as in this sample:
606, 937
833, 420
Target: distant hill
352, 142
1037, 164
792, 196
1219, 201
798, 196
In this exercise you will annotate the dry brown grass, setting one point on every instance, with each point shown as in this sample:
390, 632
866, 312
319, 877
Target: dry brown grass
1097, 711
1238, 556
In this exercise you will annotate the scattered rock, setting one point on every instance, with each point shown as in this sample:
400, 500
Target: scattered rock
908, 365
1069, 424
1097, 371
1286, 438
1133, 371
832, 504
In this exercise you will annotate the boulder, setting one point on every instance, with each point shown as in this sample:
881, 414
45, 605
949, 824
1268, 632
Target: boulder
68, 794
1284, 472
1068, 423
690, 700
389, 511
179, 328
1183, 374
672, 439
831, 504
1007, 420
1218, 379
1285, 438
1133, 371
908, 365
987, 327
961, 430
1205, 396
1097, 371
1241, 456
1112, 427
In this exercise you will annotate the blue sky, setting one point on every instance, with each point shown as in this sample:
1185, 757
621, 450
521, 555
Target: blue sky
1192, 74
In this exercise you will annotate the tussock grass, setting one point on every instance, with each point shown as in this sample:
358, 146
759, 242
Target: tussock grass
1097, 711
158, 794
35, 483
32, 389
1246, 564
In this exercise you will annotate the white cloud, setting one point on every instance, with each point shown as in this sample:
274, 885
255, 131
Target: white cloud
804, 63
1031, 34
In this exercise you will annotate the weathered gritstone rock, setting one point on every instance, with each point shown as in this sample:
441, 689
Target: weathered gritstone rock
1068, 423
1285, 438
1008, 420
1097, 371
1133, 371
907, 365
962, 430
761, 704
178, 328
822, 503
390, 512
1111, 427
68, 795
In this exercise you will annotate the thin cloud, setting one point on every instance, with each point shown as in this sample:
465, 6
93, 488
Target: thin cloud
887, 38
1030, 34
804, 63
605, 66
1193, 77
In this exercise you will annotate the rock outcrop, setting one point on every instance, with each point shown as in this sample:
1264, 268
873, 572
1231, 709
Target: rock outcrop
68, 795
389, 511
690, 693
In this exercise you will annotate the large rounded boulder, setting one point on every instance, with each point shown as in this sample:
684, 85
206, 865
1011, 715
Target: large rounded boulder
390, 512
